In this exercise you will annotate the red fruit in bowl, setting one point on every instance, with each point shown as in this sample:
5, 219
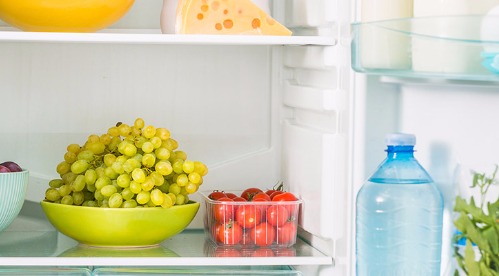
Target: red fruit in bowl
4, 169
12, 166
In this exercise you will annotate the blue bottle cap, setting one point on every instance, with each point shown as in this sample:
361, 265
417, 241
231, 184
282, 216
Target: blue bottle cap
400, 139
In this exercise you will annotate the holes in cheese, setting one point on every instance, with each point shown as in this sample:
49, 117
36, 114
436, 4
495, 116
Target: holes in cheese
225, 17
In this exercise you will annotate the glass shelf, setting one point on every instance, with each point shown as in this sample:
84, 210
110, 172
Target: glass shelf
190, 248
154, 36
450, 47
31, 241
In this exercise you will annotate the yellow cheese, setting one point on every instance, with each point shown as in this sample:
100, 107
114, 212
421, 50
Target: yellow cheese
225, 17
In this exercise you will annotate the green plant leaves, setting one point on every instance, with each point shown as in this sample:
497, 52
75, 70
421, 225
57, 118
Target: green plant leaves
476, 213
479, 228
469, 259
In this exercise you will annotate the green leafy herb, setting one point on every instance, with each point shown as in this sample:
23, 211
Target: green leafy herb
479, 228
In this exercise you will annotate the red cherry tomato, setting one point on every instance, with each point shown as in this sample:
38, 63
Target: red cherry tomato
215, 195
249, 193
214, 232
230, 195
261, 197
246, 240
261, 204
263, 234
286, 196
293, 210
286, 233
270, 192
277, 188
230, 233
223, 212
275, 193
248, 216
238, 198
277, 215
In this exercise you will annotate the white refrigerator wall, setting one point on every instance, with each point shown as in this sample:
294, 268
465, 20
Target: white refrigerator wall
456, 132
219, 112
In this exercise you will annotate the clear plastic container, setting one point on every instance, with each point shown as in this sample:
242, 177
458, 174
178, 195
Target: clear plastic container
399, 216
251, 224
211, 249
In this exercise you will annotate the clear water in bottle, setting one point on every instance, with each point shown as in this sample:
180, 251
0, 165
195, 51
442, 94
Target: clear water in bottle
399, 216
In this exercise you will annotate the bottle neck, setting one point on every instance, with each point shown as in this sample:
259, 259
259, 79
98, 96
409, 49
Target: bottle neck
396, 152
400, 167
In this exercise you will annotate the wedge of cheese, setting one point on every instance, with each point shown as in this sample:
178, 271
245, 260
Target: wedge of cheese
225, 17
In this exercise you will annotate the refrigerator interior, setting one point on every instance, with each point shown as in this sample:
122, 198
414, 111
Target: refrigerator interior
428, 78
255, 110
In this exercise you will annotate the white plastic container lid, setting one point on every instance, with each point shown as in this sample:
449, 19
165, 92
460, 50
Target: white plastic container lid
400, 139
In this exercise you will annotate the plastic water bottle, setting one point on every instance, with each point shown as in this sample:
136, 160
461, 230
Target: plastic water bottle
399, 216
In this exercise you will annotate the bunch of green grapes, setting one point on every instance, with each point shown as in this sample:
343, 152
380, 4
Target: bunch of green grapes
127, 167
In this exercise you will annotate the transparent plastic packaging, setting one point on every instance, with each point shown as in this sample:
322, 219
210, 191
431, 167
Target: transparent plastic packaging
213, 250
251, 224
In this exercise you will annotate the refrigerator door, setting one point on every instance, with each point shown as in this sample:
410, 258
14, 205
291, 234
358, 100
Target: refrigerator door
446, 97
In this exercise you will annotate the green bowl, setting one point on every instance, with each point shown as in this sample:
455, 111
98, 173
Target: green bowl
120, 227
13, 187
